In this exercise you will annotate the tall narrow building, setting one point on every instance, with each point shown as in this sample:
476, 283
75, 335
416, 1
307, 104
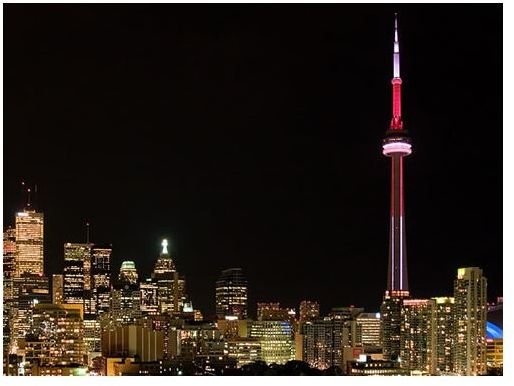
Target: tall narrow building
470, 293
29, 243
396, 145
101, 276
232, 294
75, 257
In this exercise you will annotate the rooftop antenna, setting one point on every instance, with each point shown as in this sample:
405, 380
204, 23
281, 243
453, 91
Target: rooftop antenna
87, 232
28, 198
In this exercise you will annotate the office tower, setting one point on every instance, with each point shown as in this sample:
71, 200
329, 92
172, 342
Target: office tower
92, 336
369, 330
309, 310
29, 242
171, 287
149, 297
470, 293
56, 336
232, 294
128, 273
444, 324
9, 253
323, 343
101, 277
276, 337
75, 255
28, 291
57, 289
418, 336
125, 304
131, 341
396, 145
9, 271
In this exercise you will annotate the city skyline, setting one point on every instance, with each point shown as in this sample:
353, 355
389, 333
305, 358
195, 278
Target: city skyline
261, 199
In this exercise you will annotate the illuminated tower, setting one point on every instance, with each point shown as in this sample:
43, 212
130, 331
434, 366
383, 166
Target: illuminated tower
29, 242
396, 145
232, 294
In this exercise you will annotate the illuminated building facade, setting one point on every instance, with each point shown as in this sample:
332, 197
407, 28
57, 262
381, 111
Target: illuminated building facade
125, 304
418, 337
470, 293
323, 343
396, 145
128, 273
57, 289
369, 331
101, 277
309, 310
9, 271
132, 340
29, 242
56, 335
232, 294
276, 337
244, 350
75, 256
149, 297
9, 253
444, 324
171, 287
272, 311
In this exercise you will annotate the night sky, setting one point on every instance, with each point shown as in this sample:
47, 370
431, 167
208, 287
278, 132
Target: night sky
250, 136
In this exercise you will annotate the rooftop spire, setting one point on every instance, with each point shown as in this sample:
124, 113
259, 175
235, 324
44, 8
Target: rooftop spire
164, 247
396, 50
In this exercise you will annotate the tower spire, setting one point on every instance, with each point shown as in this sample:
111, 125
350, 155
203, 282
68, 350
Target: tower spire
396, 121
396, 49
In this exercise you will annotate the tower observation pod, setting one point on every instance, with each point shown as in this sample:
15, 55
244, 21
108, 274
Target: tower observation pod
396, 145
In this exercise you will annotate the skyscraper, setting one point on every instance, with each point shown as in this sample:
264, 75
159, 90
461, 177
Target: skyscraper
323, 343
470, 293
232, 294
9, 253
369, 328
276, 337
171, 287
29, 242
75, 256
396, 145
444, 324
101, 276
128, 273
418, 336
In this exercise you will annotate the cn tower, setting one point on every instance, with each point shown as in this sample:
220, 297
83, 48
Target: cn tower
396, 145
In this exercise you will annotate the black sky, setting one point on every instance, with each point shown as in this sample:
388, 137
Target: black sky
250, 136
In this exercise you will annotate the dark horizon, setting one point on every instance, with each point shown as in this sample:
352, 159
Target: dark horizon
250, 136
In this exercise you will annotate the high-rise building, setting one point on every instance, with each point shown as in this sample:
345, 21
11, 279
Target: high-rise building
396, 145
56, 336
271, 311
29, 242
149, 297
418, 336
9, 253
171, 287
57, 289
75, 256
470, 293
125, 304
9, 267
323, 343
369, 330
232, 294
309, 310
128, 273
101, 277
444, 325
276, 337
